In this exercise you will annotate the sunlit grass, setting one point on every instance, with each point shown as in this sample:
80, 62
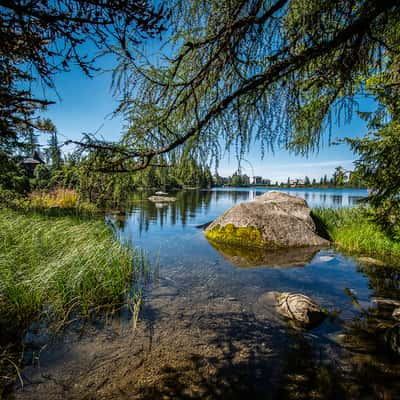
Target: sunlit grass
59, 269
61, 199
353, 230
55, 267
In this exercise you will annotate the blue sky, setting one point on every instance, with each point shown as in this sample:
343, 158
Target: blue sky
86, 104
282, 164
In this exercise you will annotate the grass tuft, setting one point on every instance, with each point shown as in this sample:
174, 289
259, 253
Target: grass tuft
353, 230
58, 270
55, 266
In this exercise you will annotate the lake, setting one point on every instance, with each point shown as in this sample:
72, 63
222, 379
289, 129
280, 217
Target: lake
207, 329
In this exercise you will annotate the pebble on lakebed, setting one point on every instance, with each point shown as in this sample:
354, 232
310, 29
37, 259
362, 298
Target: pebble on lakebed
396, 313
370, 261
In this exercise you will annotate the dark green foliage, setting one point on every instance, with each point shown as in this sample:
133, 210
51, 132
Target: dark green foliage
31, 143
339, 176
41, 178
379, 166
238, 179
379, 152
42, 38
53, 152
12, 176
101, 187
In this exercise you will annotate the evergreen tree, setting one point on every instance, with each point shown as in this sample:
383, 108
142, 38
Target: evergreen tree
41, 38
53, 151
339, 177
31, 142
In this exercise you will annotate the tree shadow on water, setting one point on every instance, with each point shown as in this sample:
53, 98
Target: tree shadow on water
245, 358
309, 374
232, 358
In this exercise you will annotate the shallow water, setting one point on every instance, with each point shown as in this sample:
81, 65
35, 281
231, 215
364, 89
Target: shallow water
207, 329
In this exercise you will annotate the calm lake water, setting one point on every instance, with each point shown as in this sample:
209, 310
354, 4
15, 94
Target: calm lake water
208, 330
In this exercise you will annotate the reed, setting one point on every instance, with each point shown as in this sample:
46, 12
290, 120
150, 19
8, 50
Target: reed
59, 269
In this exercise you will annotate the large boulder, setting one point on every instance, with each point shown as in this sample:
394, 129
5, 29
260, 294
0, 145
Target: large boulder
273, 220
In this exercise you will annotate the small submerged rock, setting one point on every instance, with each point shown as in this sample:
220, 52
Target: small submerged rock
396, 313
161, 205
300, 309
325, 258
382, 301
370, 261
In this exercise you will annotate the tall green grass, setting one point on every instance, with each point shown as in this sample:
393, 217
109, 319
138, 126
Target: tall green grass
55, 267
59, 269
353, 230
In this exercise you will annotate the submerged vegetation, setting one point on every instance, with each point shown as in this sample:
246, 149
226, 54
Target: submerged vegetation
355, 230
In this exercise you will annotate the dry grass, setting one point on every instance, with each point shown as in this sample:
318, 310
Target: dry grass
65, 199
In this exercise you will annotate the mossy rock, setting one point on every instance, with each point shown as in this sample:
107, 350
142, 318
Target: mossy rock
273, 220
243, 236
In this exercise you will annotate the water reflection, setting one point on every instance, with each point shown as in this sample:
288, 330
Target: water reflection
245, 257
198, 207
372, 338
339, 360
205, 331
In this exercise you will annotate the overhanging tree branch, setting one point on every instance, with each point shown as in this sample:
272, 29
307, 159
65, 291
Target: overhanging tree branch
197, 100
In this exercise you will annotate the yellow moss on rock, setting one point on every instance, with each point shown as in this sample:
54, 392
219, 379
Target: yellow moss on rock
244, 236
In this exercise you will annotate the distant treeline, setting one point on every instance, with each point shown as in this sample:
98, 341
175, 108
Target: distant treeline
339, 178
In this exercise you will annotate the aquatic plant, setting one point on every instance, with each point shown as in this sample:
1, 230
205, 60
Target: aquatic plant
56, 266
62, 269
354, 230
